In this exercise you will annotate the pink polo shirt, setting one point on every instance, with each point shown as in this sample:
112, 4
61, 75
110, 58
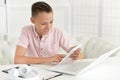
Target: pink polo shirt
47, 46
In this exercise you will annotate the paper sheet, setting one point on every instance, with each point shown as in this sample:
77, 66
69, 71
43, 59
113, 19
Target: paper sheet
45, 74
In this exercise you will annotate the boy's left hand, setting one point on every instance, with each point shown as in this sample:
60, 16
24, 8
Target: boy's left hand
77, 54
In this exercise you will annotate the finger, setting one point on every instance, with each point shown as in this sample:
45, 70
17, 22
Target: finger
77, 52
55, 59
62, 55
74, 56
58, 58
54, 62
80, 56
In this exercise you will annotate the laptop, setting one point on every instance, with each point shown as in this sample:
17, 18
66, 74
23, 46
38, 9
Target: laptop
73, 67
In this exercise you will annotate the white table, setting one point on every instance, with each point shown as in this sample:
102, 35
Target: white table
107, 70
4, 76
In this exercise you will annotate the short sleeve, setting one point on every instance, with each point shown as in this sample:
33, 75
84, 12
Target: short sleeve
65, 41
23, 39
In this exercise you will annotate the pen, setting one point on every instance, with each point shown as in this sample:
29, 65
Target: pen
6, 71
53, 76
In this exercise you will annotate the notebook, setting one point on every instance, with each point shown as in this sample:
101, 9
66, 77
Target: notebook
73, 67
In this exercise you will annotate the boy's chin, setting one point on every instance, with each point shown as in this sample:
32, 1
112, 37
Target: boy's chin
45, 33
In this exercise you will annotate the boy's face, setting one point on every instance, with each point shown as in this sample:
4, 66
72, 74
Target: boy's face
43, 22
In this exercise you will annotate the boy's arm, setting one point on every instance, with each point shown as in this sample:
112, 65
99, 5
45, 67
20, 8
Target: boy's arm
20, 58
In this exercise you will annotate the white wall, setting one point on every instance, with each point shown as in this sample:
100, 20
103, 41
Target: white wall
78, 17
19, 13
3, 21
97, 18
85, 17
111, 21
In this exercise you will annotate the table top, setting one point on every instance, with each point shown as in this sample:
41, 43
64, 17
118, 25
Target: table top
4, 76
107, 70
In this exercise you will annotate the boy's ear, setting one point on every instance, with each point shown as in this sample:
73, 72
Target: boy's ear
32, 20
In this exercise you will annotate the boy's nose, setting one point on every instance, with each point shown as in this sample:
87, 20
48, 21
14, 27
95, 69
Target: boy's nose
48, 26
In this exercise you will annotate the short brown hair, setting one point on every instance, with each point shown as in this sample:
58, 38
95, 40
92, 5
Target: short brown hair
40, 7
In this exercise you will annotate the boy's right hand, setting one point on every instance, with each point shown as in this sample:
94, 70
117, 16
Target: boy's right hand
55, 59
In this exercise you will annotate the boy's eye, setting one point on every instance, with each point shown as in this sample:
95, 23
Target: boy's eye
51, 22
43, 24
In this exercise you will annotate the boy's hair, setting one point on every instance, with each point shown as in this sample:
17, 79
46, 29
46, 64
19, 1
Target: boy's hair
41, 6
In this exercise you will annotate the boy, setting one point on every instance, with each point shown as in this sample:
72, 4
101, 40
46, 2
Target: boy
39, 43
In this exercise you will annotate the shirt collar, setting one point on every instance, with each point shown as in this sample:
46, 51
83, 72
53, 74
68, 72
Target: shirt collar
44, 36
36, 34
